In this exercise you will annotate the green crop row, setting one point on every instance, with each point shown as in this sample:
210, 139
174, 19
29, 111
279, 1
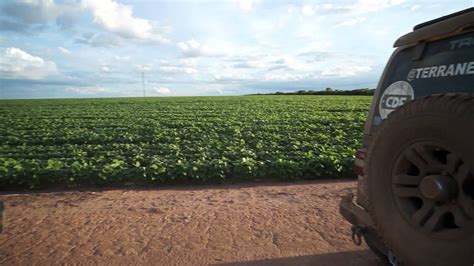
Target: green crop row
103, 141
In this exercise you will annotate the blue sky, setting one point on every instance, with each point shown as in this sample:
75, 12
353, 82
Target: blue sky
99, 48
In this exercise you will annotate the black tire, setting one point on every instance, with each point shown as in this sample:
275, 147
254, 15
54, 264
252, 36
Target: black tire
418, 227
377, 246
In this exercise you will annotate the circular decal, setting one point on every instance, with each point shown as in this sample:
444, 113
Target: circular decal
397, 94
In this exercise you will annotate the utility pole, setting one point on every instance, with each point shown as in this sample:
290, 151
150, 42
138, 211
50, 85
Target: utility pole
143, 83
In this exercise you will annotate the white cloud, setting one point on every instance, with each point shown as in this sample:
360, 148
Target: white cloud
383, 32
192, 48
249, 64
105, 69
345, 70
144, 67
247, 5
236, 78
99, 40
122, 58
271, 61
110, 15
18, 64
357, 7
414, 7
118, 18
302, 66
184, 65
286, 62
64, 50
350, 22
88, 90
375, 5
233, 77
284, 76
175, 69
308, 10
29, 12
188, 62
160, 91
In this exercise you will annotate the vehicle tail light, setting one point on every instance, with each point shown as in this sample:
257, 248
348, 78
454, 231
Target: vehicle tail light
359, 162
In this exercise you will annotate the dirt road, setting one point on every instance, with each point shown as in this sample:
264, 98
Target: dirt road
246, 224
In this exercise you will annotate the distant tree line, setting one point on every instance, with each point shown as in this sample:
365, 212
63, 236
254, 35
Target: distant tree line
327, 91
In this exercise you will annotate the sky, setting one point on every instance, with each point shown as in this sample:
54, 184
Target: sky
107, 48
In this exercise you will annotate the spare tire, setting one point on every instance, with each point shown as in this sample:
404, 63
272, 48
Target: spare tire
420, 168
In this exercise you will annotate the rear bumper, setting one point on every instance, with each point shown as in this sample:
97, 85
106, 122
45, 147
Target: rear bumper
353, 213
362, 226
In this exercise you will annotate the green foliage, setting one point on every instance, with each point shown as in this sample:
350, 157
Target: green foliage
104, 141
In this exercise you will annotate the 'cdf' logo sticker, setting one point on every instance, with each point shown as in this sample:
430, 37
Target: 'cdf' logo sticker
397, 94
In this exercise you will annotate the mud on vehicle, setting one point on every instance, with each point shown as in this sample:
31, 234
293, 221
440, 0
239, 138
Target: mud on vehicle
415, 197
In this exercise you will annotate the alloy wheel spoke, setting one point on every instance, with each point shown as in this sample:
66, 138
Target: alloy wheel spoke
413, 156
462, 174
453, 163
467, 204
423, 214
427, 155
460, 218
404, 179
433, 221
406, 192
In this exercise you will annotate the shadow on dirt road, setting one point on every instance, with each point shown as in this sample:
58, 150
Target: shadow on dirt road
354, 258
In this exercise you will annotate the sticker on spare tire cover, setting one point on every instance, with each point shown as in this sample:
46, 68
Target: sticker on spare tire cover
397, 94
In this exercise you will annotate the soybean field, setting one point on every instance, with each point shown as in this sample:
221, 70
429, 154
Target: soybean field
178, 139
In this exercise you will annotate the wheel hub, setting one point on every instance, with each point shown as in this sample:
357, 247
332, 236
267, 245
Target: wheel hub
433, 189
440, 188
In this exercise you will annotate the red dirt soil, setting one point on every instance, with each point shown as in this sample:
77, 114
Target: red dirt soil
243, 224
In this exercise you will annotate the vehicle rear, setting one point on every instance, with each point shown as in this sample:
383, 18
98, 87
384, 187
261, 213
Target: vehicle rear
415, 198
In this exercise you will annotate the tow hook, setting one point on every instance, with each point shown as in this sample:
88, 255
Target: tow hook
357, 233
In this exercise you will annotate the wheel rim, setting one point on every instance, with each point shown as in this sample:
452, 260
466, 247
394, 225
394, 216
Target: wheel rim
434, 190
